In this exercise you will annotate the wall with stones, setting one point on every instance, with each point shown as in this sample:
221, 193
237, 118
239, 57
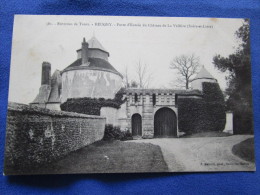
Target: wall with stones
197, 84
144, 106
111, 115
35, 136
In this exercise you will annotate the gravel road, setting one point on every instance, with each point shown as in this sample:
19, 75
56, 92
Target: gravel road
201, 154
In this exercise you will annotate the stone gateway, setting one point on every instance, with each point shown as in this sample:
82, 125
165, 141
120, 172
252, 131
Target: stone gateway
146, 113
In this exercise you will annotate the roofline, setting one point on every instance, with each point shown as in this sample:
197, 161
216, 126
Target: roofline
45, 102
204, 78
173, 91
90, 68
95, 49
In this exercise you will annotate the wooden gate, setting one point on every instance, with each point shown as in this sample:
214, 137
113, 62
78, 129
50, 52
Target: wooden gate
136, 125
165, 123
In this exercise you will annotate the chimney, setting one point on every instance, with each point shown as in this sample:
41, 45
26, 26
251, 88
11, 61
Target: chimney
46, 73
84, 52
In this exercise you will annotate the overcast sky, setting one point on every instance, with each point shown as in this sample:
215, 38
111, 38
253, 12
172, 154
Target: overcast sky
154, 41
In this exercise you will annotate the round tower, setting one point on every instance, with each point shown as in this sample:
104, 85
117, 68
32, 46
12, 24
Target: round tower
201, 77
91, 75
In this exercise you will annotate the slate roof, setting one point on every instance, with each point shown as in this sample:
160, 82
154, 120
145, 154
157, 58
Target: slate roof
204, 74
50, 94
95, 44
55, 87
95, 64
43, 95
162, 91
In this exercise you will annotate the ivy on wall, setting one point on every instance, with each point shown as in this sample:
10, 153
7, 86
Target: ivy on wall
92, 106
203, 114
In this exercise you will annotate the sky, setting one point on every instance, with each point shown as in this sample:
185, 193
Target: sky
154, 41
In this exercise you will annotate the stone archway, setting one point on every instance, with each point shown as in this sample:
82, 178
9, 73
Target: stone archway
136, 125
165, 123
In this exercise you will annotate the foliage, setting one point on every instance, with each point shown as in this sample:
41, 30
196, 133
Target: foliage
92, 106
239, 89
245, 150
114, 133
134, 84
215, 106
203, 114
186, 66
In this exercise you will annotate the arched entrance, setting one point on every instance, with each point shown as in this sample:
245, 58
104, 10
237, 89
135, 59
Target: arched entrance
136, 125
165, 123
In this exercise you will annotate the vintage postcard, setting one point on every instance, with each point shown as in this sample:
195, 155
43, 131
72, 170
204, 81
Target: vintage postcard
110, 94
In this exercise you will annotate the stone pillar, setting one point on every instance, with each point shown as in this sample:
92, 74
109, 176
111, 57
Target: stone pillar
229, 123
147, 120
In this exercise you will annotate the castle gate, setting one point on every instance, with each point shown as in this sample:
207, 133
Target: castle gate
136, 125
165, 123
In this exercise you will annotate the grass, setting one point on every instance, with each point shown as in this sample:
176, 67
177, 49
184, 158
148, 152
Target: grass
245, 150
207, 134
108, 157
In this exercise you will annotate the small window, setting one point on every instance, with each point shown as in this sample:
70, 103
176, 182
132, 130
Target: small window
154, 99
136, 97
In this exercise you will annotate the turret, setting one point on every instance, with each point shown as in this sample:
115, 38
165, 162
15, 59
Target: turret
84, 52
46, 73
201, 77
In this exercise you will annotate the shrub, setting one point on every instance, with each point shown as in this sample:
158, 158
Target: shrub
92, 106
114, 133
203, 114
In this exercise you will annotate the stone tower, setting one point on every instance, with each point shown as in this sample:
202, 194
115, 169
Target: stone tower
91, 75
201, 77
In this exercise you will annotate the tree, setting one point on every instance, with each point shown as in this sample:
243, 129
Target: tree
134, 84
239, 91
126, 78
144, 76
186, 66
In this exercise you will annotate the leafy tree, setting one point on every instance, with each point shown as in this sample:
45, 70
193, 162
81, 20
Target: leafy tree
239, 91
186, 66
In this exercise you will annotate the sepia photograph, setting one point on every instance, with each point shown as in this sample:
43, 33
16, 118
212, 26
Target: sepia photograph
121, 94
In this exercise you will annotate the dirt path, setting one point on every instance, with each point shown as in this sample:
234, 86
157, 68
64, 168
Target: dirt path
201, 154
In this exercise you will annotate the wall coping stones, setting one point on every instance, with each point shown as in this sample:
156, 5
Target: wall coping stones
12, 106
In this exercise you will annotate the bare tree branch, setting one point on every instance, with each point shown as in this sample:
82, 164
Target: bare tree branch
186, 67
126, 78
144, 76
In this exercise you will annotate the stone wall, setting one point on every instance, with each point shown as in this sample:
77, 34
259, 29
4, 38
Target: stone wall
36, 136
111, 115
96, 84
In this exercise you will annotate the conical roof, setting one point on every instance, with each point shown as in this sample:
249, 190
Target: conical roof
204, 74
95, 44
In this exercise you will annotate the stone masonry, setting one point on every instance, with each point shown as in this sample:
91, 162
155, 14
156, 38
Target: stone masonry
36, 136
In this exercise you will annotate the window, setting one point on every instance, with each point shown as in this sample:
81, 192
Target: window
154, 99
136, 97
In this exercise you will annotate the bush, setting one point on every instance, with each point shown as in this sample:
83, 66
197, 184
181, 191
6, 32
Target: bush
114, 133
92, 106
203, 114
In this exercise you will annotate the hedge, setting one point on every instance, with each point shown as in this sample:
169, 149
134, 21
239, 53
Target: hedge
114, 133
203, 114
92, 106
